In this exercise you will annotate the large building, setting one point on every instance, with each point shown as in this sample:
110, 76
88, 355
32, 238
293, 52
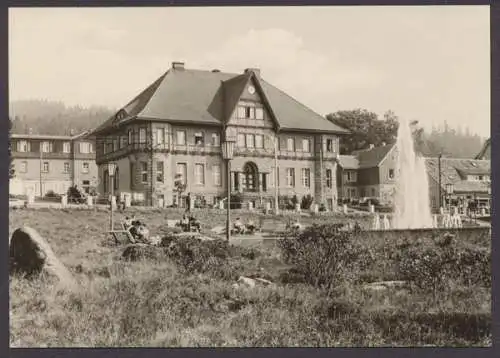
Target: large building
50, 163
176, 125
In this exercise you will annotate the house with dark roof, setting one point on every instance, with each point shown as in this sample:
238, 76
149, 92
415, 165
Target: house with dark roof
368, 173
470, 179
371, 173
175, 127
46, 163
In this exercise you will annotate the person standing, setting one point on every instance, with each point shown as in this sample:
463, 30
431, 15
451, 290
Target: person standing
188, 202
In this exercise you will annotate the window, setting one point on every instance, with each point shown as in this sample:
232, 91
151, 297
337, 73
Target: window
290, 177
123, 141
259, 113
115, 144
241, 112
249, 177
306, 145
116, 179
391, 173
250, 141
246, 111
109, 147
144, 172
329, 178
259, 141
306, 177
66, 147
198, 138
199, 174
23, 167
350, 176
130, 137
181, 137
241, 140
46, 147
160, 136
290, 144
85, 167
159, 172
480, 177
249, 112
105, 181
23, 146
215, 140
45, 168
216, 172
353, 192
142, 135
85, 147
329, 145
373, 192
263, 181
66, 167
182, 171
86, 186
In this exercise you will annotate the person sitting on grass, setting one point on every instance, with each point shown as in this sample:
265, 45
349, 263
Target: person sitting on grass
194, 223
127, 223
251, 226
238, 226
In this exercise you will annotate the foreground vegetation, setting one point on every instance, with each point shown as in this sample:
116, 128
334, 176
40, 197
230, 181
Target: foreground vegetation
184, 294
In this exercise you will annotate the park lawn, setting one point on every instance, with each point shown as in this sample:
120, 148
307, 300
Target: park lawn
156, 303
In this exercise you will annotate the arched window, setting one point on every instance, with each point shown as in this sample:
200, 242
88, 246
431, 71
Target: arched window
116, 179
105, 180
250, 177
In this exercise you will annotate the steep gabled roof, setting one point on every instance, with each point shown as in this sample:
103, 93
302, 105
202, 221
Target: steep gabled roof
371, 158
206, 97
451, 169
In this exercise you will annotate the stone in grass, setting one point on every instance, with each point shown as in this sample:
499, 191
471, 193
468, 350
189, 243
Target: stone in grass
31, 255
384, 285
136, 252
251, 282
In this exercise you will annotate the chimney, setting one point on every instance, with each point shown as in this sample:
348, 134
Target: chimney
71, 132
383, 144
178, 65
371, 146
215, 70
256, 71
30, 131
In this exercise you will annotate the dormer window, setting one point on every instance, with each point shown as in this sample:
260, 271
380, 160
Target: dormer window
46, 147
247, 111
259, 113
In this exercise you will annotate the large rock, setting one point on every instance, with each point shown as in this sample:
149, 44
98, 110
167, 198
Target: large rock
31, 255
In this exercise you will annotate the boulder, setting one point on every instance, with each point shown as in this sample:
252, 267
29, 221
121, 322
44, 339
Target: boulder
30, 254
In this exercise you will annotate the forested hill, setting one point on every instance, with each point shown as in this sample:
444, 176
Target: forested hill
50, 117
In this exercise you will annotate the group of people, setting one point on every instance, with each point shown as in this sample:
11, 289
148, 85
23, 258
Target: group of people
137, 228
240, 228
189, 223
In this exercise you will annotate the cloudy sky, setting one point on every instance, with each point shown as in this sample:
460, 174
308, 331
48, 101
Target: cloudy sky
426, 63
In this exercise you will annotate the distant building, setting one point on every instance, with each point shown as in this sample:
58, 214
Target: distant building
46, 163
368, 173
470, 178
371, 173
176, 126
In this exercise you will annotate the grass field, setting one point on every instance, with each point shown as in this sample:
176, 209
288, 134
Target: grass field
158, 303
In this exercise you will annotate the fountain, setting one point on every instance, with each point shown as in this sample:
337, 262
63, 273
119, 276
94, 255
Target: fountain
412, 206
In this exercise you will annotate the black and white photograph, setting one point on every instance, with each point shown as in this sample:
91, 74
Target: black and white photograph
250, 176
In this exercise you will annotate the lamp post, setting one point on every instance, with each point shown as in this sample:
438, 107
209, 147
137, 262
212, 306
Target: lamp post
439, 179
111, 173
227, 155
449, 192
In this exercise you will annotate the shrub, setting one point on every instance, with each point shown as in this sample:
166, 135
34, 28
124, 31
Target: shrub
433, 266
306, 202
323, 255
236, 201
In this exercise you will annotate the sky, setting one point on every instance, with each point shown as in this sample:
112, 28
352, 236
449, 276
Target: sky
426, 63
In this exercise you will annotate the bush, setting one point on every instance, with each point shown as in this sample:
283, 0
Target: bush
306, 202
433, 266
323, 255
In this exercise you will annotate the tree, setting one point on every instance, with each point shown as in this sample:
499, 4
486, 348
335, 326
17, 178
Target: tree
12, 169
365, 127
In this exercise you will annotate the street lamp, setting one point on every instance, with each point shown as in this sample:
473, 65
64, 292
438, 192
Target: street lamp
111, 173
227, 155
449, 192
